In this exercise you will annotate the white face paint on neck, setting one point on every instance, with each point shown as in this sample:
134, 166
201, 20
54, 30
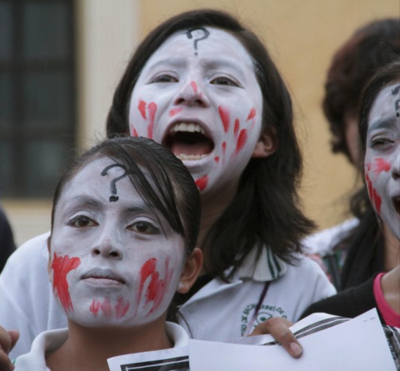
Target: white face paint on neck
111, 264
199, 96
382, 157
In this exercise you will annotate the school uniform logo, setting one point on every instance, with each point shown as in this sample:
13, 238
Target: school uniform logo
252, 317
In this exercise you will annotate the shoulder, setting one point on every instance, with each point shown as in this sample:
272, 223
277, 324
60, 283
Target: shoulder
29, 254
306, 272
323, 241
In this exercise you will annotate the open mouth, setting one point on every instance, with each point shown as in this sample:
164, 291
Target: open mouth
188, 141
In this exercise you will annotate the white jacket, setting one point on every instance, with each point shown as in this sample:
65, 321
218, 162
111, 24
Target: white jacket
49, 341
219, 311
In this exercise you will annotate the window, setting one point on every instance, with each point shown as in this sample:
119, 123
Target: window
37, 95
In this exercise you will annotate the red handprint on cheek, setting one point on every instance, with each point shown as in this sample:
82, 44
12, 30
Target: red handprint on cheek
225, 117
376, 200
156, 287
61, 266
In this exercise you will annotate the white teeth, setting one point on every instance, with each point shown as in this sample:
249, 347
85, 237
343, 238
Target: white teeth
188, 127
184, 157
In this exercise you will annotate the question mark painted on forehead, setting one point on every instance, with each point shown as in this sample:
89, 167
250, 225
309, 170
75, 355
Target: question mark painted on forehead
195, 41
397, 103
114, 197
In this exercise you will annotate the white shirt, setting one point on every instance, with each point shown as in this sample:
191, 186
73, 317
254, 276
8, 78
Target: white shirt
219, 311
49, 341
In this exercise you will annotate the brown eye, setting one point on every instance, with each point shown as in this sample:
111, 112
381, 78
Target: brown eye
164, 79
82, 221
223, 81
143, 227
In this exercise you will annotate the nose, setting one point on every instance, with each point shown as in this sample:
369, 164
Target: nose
108, 246
191, 94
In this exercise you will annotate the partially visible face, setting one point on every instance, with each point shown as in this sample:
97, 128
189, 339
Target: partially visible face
382, 157
199, 96
111, 264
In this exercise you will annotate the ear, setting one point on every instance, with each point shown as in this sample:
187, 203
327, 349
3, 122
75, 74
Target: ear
266, 145
191, 270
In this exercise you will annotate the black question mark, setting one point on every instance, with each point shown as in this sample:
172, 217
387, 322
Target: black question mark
114, 197
397, 103
190, 36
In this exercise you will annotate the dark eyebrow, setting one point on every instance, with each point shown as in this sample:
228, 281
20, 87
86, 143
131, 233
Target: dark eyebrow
171, 62
383, 124
86, 200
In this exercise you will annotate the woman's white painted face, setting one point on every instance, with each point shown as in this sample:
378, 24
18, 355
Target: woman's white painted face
199, 96
111, 263
382, 156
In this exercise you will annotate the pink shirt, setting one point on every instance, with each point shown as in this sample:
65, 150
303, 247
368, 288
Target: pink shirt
390, 317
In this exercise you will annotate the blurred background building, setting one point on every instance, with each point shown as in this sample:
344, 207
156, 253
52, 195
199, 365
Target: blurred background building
60, 61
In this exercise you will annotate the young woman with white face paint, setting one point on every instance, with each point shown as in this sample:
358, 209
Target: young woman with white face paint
124, 223
379, 138
379, 131
206, 88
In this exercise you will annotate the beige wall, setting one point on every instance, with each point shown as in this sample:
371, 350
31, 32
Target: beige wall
301, 35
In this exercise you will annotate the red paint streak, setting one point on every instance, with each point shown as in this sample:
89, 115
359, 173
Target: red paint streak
152, 113
216, 159
142, 108
106, 307
252, 114
194, 86
134, 132
94, 307
236, 128
241, 141
382, 165
224, 150
157, 287
375, 198
202, 182
224, 114
174, 111
122, 307
61, 266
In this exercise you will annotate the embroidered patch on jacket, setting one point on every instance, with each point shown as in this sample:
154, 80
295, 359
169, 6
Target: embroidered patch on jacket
250, 319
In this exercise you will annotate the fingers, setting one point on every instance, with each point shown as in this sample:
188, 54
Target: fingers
7, 341
14, 334
279, 329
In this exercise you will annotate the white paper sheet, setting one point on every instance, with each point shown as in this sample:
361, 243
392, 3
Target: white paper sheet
357, 344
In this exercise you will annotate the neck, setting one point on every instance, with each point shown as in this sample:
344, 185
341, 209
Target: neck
392, 250
213, 205
88, 348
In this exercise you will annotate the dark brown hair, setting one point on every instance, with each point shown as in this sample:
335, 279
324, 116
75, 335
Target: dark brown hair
369, 48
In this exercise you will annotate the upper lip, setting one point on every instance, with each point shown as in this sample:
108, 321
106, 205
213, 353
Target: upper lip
103, 273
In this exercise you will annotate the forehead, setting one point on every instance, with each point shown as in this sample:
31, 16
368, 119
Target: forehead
208, 43
98, 176
386, 105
